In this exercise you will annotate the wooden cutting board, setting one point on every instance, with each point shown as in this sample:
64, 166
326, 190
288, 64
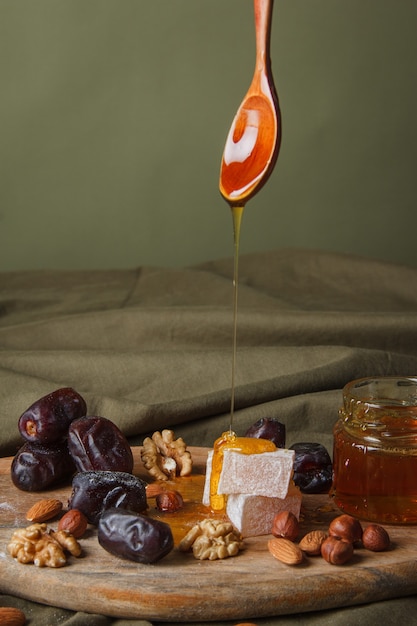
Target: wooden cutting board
180, 588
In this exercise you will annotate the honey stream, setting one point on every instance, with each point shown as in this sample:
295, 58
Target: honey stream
248, 159
237, 214
229, 439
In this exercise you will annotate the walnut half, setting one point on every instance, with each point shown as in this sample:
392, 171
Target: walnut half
35, 544
166, 457
212, 539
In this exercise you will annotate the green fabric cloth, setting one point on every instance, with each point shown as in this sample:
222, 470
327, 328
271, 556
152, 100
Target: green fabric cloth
152, 347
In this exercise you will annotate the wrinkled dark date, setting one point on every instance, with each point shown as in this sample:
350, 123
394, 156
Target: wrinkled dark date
47, 420
36, 467
268, 428
95, 491
134, 536
312, 467
96, 443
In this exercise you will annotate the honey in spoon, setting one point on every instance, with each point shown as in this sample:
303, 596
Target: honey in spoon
249, 157
254, 139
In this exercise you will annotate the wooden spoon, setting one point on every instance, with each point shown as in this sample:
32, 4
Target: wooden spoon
254, 138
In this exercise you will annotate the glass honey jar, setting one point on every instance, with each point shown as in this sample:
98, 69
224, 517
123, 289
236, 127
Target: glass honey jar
375, 450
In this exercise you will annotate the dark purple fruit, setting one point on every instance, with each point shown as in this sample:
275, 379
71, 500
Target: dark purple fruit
47, 420
96, 443
95, 491
312, 467
134, 536
37, 467
268, 428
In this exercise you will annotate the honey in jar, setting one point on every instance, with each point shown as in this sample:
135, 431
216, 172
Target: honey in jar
375, 450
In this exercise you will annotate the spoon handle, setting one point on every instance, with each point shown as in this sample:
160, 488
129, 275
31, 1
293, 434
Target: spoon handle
263, 17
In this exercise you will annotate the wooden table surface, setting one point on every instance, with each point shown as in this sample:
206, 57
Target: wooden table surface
181, 588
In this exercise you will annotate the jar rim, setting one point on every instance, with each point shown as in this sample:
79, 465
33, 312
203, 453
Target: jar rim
383, 390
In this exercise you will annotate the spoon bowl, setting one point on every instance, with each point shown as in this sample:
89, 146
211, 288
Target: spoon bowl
253, 141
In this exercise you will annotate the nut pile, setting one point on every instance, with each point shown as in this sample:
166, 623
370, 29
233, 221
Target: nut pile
43, 546
336, 546
212, 539
166, 457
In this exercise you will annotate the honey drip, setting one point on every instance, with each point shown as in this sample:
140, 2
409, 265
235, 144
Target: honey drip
237, 213
249, 157
245, 445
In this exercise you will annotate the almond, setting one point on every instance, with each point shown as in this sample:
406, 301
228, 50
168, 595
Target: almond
44, 510
311, 542
74, 522
154, 489
285, 551
10, 616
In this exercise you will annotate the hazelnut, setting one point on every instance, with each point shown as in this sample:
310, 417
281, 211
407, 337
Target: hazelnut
75, 522
375, 538
336, 551
169, 501
347, 528
285, 524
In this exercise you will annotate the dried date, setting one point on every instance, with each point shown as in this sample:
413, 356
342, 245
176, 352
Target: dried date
95, 491
96, 443
312, 467
47, 420
134, 536
268, 428
36, 467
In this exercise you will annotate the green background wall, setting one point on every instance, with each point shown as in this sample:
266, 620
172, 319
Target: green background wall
113, 117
